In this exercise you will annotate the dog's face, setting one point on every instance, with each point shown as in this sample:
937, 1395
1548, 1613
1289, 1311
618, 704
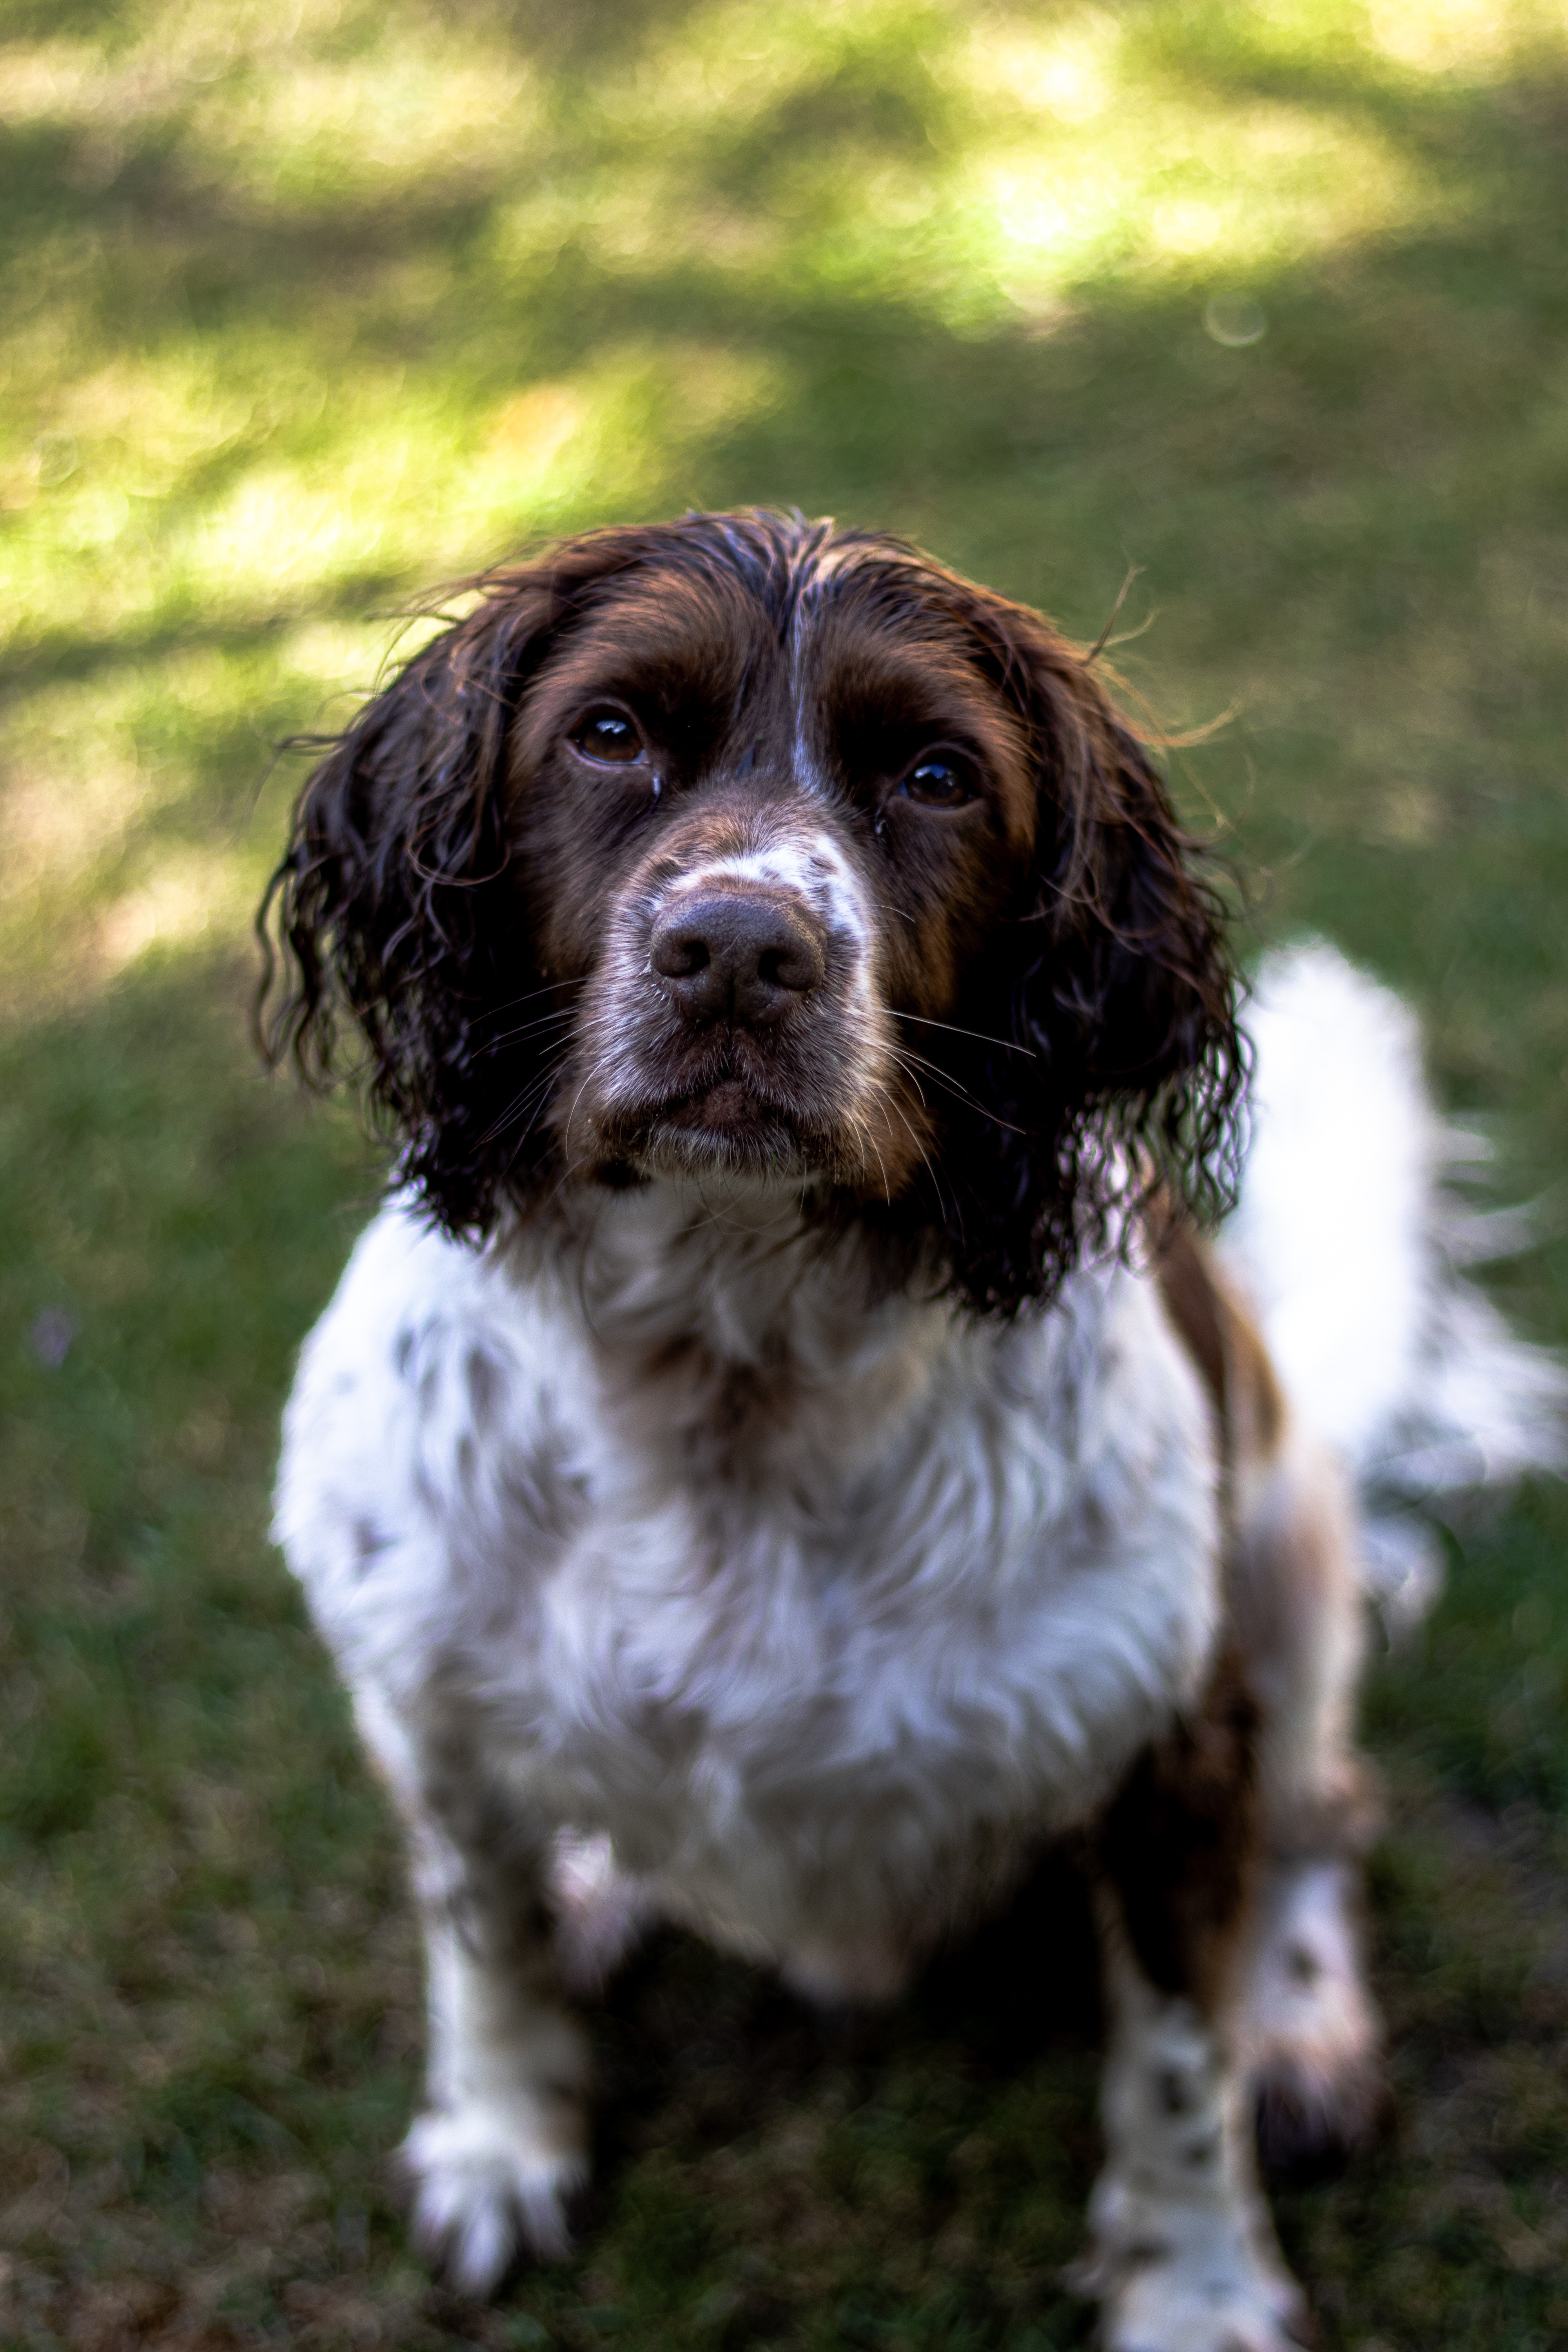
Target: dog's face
764, 859
741, 845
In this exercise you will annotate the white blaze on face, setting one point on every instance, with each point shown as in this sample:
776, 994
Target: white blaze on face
805, 862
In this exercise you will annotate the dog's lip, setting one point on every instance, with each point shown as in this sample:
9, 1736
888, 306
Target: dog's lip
724, 1090
725, 1112
726, 1102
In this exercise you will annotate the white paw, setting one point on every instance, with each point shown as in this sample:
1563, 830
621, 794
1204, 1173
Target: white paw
1187, 2275
1214, 2293
1310, 2034
491, 2182
1161, 2311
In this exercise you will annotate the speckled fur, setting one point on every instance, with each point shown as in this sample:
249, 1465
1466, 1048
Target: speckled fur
812, 1665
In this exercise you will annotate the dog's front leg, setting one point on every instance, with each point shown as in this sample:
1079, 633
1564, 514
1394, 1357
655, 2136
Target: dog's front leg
502, 2142
1182, 2251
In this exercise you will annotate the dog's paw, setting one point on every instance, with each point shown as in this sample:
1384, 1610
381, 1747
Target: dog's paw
1311, 2035
1177, 2276
1212, 2293
1310, 2119
489, 2183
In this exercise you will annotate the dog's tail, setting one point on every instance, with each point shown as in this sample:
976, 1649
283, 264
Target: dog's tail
1351, 1238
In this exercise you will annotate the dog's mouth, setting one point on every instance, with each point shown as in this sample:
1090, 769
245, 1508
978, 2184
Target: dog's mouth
730, 1107
728, 1123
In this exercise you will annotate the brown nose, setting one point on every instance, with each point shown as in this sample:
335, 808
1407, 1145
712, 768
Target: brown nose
737, 955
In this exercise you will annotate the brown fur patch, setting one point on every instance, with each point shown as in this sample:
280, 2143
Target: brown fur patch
1192, 1301
1223, 1343
1180, 1844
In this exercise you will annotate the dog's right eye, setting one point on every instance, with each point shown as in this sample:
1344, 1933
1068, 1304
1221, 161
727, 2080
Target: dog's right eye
609, 739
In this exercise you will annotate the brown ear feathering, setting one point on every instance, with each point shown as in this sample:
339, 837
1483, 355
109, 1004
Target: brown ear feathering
1100, 1057
394, 906
1104, 1063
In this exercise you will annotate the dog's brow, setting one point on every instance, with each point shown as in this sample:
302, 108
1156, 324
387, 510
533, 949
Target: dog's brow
803, 765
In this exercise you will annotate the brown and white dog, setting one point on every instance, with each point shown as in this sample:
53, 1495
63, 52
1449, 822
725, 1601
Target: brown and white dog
784, 1451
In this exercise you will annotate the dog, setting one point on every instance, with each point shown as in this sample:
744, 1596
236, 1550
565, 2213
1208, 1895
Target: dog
785, 1452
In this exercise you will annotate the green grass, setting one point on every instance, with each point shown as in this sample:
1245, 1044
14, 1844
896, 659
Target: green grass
306, 311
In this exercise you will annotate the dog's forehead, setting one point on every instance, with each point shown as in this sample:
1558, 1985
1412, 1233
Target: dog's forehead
670, 636
872, 646
840, 629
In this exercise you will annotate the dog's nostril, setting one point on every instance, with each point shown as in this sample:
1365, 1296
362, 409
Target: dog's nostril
677, 956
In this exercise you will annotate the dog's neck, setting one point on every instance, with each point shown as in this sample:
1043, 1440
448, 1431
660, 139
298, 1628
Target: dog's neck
739, 1335
748, 1273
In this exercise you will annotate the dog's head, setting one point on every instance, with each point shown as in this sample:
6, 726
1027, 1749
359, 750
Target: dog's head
740, 843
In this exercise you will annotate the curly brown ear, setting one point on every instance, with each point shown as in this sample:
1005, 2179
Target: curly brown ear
1112, 988
392, 929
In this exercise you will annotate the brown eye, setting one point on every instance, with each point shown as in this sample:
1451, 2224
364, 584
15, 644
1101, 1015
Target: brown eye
937, 781
609, 738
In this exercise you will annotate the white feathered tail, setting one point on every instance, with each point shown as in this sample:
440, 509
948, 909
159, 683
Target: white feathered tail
1350, 1241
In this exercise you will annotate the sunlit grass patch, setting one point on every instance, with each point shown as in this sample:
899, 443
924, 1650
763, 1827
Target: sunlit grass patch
1102, 160
138, 813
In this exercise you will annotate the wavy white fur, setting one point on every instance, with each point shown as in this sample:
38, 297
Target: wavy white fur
1348, 1240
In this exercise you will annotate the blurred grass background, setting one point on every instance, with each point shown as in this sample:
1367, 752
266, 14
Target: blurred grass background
307, 306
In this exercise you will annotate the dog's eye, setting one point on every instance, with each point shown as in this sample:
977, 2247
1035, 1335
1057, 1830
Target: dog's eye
938, 782
609, 738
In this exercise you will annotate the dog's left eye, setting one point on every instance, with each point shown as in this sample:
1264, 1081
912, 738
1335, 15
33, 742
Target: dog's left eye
610, 737
938, 782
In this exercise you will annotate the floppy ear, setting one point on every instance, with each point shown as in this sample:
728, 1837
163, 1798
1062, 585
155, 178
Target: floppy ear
1121, 1071
400, 956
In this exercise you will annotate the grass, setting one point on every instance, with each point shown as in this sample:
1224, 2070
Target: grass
307, 310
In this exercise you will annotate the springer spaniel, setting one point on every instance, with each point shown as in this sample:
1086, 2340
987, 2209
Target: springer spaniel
785, 1452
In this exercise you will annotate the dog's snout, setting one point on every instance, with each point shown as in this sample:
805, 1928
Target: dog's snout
742, 956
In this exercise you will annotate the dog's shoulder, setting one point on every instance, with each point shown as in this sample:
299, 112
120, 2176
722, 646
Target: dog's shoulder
424, 1437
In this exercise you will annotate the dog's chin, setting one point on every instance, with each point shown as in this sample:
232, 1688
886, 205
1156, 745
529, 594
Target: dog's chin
725, 1130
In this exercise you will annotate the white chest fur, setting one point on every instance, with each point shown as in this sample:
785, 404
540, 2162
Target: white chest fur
817, 1612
